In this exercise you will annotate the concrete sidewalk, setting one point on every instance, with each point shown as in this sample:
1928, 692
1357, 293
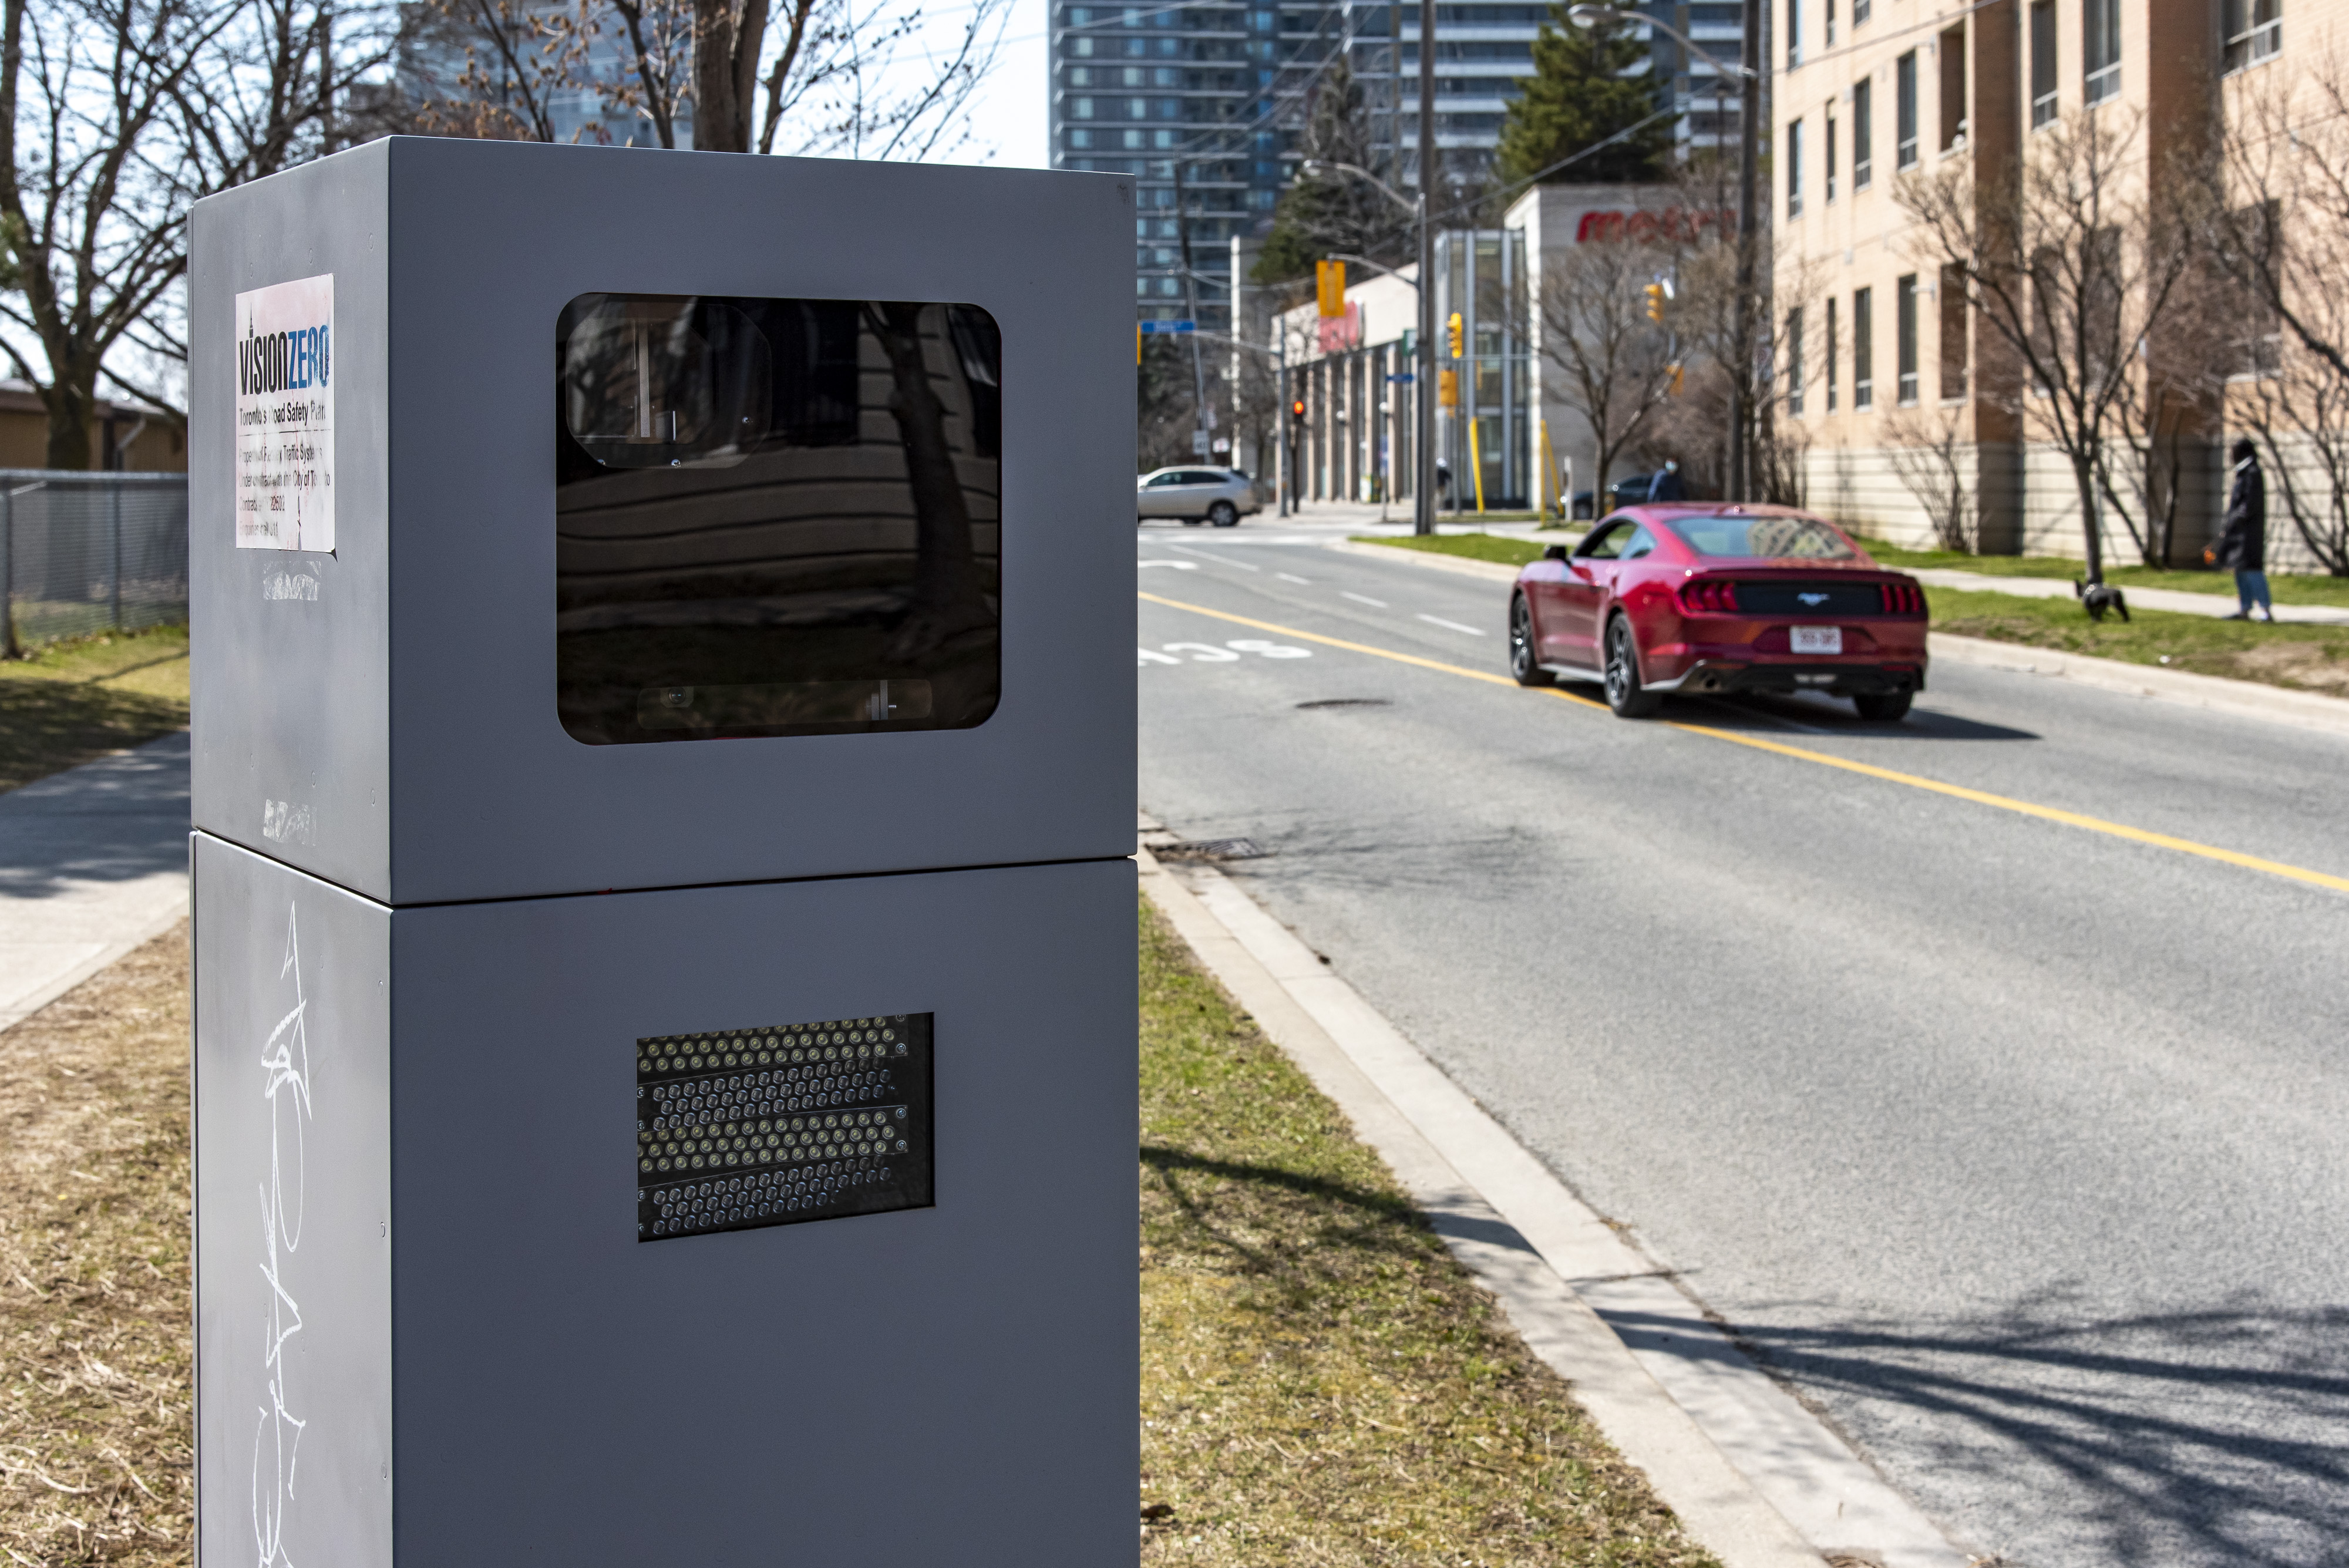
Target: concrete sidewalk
2172, 599
93, 862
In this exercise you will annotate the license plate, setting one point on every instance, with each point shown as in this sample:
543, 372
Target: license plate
1818, 638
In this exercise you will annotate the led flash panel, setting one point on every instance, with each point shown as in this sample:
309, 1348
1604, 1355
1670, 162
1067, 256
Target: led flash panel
771, 1126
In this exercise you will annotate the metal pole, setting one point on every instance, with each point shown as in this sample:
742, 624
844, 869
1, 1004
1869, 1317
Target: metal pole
1749, 157
1422, 500
8, 571
1191, 310
114, 516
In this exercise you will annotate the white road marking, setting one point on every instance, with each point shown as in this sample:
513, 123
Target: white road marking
1363, 599
1209, 653
1219, 560
1287, 577
1452, 625
1178, 565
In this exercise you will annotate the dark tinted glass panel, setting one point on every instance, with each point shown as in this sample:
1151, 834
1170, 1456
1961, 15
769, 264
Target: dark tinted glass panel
1763, 538
776, 516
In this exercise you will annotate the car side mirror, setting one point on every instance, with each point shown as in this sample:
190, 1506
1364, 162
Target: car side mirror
1555, 553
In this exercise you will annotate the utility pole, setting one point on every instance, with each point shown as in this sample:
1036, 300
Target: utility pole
1749, 157
1423, 401
1191, 310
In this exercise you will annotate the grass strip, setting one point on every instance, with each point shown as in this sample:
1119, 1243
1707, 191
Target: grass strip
1501, 547
96, 1409
2287, 587
66, 702
2300, 657
1321, 1384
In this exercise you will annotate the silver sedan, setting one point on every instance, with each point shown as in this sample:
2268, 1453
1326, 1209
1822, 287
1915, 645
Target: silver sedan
1218, 495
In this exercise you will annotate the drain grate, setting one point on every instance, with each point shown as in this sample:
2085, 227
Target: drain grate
1347, 702
1211, 849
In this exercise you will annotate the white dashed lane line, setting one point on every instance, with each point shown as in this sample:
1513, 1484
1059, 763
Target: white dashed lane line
1219, 560
1363, 599
1452, 625
1287, 578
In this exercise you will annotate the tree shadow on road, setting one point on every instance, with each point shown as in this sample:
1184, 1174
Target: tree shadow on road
2214, 1435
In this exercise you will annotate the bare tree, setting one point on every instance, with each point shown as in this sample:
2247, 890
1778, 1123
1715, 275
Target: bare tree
1929, 453
2073, 258
1613, 365
117, 115
2277, 229
727, 76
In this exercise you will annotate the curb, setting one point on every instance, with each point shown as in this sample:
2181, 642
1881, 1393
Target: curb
2213, 694
1754, 1476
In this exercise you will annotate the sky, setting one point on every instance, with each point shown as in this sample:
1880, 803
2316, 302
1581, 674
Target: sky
1008, 117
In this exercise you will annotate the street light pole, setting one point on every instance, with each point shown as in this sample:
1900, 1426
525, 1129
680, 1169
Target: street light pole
1749, 159
1423, 401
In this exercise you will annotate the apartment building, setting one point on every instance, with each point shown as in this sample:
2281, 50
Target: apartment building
1204, 104
1885, 357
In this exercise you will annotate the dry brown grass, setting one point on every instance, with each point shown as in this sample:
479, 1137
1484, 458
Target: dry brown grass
1322, 1384
96, 1442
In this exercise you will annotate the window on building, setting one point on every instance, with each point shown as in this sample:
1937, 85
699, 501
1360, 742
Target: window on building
2256, 326
1081, 47
1830, 148
2042, 62
2100, 49
1863, 348
1904, 111
1794, 170
1132, 139
1863, 127
1081, 108
1953, 56
1794, 362
1859, 12
1794, 32
1904, 337
1080, 138
2254, 31
1829, 347
1956, 351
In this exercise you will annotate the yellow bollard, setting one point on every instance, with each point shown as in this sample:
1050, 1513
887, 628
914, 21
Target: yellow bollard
1476, 466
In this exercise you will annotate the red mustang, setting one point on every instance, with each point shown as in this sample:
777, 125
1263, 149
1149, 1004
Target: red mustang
1704, 597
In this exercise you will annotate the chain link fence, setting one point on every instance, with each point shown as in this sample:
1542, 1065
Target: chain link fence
81, 552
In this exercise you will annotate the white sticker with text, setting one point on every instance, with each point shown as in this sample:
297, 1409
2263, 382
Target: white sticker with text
286, 416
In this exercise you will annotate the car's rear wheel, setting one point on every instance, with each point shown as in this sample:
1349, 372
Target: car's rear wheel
1624, 693
1882, 707
1223, 514
1525, 659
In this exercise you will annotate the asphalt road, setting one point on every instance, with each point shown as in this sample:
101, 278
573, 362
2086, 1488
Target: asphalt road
2020, 1149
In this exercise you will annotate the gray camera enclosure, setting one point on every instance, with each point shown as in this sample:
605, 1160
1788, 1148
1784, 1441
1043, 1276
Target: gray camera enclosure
486, 1364
389, 723
435, 929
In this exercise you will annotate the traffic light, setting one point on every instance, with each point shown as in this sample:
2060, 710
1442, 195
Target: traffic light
1452, 332
1297, 411
1329, 288
1655, 293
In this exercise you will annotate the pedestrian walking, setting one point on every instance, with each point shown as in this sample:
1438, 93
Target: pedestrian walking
2242, 546
1666, 486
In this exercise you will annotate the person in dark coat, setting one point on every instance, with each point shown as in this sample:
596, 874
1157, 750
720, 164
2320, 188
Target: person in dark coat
2244, 545
1666, 486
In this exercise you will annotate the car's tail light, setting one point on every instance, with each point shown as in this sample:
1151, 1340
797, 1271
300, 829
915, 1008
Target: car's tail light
1903, 598
1709, 596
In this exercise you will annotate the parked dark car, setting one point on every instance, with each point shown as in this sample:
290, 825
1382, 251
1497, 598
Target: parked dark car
1629, 492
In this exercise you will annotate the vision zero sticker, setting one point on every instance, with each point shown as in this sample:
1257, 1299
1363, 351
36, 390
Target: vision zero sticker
286, 416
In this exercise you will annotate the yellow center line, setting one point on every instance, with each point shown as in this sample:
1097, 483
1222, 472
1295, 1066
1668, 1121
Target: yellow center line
1890, 775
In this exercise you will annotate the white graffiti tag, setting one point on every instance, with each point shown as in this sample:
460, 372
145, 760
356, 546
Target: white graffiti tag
277, 1439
